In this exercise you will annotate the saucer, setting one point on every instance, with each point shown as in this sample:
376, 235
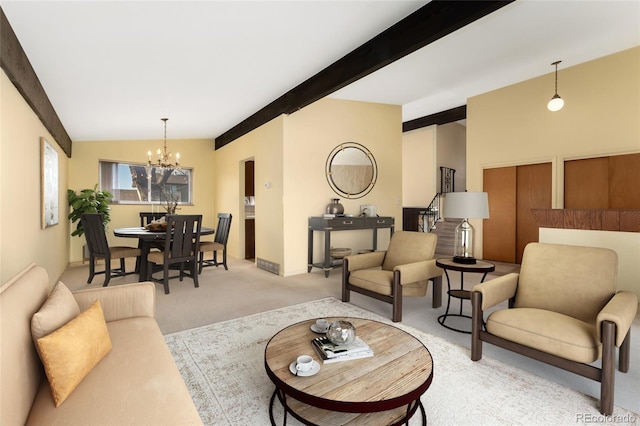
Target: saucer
315, 368
315, 329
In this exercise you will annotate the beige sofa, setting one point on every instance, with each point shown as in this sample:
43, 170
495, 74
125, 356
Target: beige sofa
136, 383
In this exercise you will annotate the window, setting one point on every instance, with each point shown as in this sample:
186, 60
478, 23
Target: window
132, 183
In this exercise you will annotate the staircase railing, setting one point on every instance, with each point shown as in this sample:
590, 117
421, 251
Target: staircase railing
430, 216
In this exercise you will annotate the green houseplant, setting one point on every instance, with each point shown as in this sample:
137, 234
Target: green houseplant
88, 201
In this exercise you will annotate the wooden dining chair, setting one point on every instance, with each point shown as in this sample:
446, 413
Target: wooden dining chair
181, 247
147, 217
99, 248
219, 243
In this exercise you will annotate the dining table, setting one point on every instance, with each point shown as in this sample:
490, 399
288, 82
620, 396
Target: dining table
146, 238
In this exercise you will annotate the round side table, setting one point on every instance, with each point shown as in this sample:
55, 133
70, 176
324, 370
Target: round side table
449, 265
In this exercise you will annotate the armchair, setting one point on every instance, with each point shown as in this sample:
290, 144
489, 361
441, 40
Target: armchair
404, 269
563, 310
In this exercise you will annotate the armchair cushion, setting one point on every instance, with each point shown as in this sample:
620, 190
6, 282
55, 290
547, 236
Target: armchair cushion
366, 260
497, 290
409, 247
572, 280
620, 310
547, 331
381, 282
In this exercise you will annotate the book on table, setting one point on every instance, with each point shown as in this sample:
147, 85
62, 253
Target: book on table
330, 352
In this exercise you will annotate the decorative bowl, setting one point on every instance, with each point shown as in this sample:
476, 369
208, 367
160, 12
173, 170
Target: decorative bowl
341, 332
156, 227
339, 253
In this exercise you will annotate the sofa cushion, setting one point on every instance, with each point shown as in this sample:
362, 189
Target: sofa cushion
60, 308
547, 331
21, 371
136, 383
71, 352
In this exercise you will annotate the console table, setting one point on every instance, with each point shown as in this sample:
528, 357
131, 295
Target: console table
321, 224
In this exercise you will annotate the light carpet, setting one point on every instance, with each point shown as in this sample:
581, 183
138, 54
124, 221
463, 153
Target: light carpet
223, 367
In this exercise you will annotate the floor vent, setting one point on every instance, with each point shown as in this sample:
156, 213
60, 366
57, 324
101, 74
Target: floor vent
269, 266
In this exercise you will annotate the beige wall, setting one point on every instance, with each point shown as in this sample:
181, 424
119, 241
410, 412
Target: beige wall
419, 170
310, 136
84, 173
451, 142
264, 146
290, 153
512, 126
424, 151
22, 239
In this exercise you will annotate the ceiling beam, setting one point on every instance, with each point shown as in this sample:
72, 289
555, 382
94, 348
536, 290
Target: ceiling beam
431, 22
443, 117
16, 65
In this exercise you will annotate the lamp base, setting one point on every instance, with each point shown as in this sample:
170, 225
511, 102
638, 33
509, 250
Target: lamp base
464, 260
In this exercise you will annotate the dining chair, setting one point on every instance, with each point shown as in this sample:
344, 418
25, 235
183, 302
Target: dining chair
99, 248
147, 217
181, 246
219, 243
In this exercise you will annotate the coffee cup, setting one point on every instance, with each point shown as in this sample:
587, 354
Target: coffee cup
304, 363
322, 324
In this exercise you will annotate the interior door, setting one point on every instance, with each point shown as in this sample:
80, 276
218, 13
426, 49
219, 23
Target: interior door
499, 231
533, 191
592, 173
513, 192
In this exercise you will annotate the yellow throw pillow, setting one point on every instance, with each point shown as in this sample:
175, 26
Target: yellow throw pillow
71, 352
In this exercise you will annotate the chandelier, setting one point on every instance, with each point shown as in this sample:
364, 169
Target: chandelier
164, 156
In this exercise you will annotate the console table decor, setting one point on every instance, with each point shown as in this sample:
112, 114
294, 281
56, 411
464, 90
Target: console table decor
328, 225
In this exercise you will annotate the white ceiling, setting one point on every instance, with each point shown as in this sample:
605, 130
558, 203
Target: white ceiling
112, 69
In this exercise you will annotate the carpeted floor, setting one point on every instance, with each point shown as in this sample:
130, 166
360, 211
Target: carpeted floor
222, 364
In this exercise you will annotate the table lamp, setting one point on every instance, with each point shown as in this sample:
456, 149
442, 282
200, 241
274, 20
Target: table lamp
465, 205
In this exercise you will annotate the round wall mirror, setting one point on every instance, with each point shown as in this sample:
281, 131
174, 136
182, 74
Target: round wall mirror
351, 170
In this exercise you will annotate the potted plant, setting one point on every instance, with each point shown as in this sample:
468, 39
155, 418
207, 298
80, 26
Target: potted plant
88, 201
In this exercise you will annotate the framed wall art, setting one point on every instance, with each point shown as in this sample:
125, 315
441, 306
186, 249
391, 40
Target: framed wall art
48, 183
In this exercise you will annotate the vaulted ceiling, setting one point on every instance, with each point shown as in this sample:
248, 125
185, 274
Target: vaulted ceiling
112, 69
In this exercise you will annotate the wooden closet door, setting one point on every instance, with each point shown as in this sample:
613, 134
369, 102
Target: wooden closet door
499, 231
586, 184
533, 189
624, 176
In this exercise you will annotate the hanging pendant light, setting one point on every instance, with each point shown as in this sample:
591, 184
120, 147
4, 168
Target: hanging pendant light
164, 156
556, 103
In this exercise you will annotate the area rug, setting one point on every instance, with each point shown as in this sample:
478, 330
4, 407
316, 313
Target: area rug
223, 367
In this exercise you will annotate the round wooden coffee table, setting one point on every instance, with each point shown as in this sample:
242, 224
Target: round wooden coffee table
381, 390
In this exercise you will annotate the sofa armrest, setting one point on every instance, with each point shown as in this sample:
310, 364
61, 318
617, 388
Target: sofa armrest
418, 271
365, 260
497, 290
122, 301
621, 310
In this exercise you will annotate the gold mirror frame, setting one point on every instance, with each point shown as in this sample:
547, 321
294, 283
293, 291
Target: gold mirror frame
351, 170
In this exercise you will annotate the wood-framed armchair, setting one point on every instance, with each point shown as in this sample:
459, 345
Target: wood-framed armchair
563, 310
404, 269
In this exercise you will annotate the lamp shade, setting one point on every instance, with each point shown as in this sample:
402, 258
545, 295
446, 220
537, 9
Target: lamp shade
466, 205
555, 104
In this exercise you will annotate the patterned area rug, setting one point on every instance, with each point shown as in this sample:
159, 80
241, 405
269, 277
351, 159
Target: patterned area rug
223, 367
